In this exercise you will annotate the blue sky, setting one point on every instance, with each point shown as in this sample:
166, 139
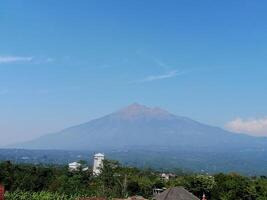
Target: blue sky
66, 62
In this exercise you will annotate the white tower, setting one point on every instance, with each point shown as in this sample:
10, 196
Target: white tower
98, 163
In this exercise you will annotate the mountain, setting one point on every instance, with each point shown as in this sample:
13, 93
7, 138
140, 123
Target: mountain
138, 126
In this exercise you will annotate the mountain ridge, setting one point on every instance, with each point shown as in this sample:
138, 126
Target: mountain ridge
139, 125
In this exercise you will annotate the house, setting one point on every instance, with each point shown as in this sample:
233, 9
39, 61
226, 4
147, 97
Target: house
176, 193
74, 166
167, 176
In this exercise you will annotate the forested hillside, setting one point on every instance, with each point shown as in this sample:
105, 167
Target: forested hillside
26, 181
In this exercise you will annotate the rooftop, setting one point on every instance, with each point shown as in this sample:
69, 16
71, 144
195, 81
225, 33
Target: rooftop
176, 193
99, 155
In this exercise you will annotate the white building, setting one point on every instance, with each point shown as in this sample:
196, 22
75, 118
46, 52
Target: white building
98, 163
167, 177
74, 166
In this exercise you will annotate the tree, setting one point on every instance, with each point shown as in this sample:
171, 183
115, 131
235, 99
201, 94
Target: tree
199, 184
232, 187
133, 188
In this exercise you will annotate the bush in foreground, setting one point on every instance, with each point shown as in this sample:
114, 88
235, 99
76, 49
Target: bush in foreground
39, 196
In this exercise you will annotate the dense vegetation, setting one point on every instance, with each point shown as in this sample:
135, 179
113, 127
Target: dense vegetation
19, 195
56, 182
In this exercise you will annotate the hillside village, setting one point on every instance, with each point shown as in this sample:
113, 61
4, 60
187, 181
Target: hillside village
173, 193
108, 179
162, 193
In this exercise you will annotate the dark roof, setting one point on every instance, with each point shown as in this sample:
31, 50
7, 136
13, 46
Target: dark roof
176, 193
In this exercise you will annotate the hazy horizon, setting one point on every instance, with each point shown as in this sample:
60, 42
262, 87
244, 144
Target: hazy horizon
65, 63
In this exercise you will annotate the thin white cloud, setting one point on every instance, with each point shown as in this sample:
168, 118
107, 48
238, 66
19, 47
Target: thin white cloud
167, 75
255, 127
14, 59
23, 59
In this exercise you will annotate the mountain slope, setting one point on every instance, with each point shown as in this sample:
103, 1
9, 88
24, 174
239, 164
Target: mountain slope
137, 125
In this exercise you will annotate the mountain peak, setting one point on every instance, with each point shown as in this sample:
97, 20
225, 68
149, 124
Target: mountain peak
138, 110
136, 107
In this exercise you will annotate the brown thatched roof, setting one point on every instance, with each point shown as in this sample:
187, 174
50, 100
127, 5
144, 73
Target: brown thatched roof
176, 193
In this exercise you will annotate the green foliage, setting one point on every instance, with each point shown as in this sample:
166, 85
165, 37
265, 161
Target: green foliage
39, 196
30, 182
233, 187
200, 184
